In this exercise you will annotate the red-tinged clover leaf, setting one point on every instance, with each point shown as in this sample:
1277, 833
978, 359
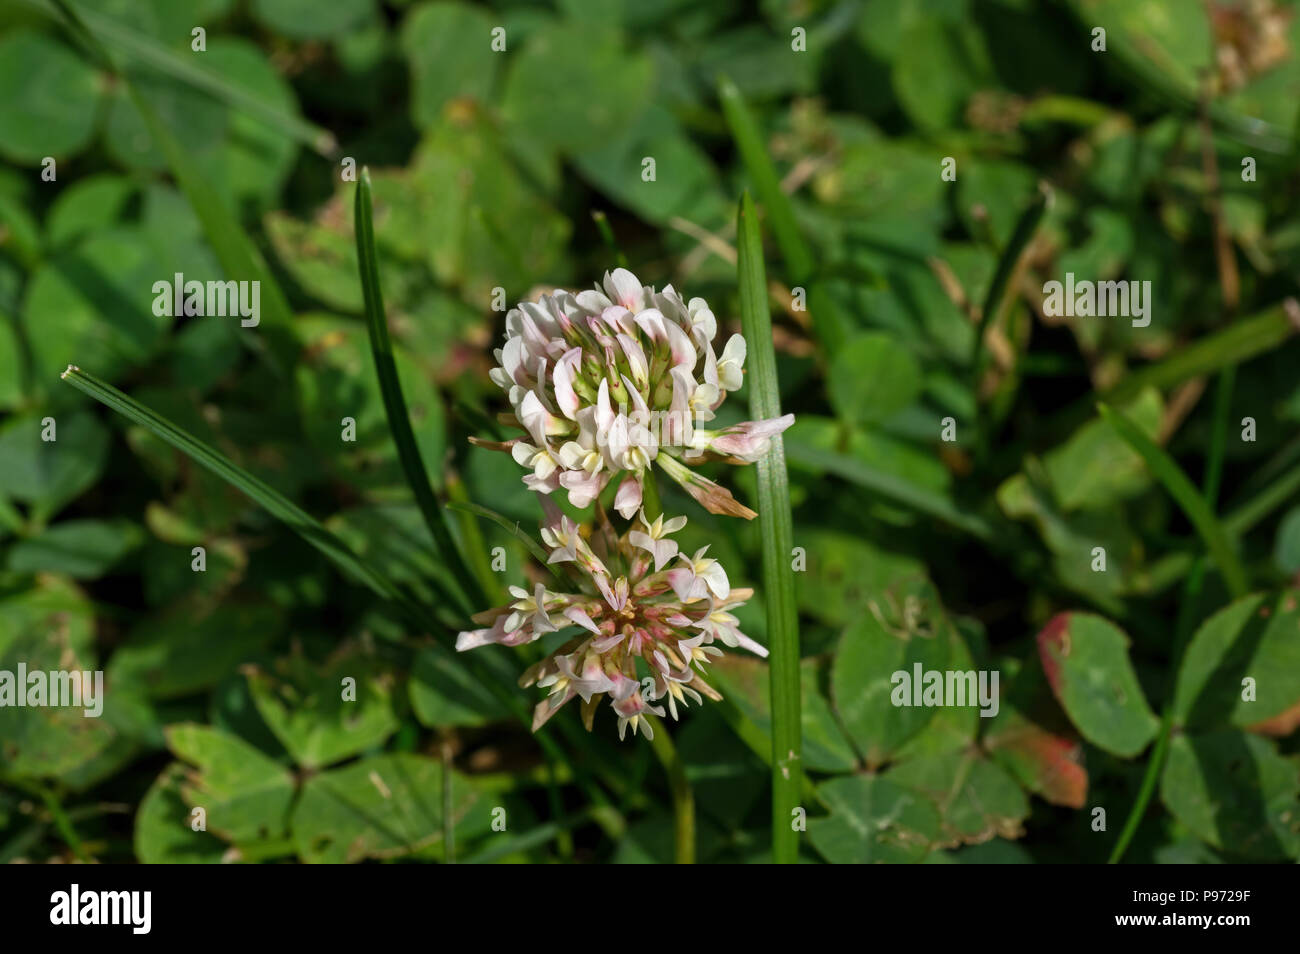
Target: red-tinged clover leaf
1086, 661
1256, 638
1030, 738
1236, 793
873, 820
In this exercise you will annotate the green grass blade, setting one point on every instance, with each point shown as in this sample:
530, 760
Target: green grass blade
777, 532
800, 263
896, 489
399, 421
505, 523
492, 675
1184, 492
238, 256
260, 492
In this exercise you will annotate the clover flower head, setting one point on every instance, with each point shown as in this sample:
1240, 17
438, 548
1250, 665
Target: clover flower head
610, 382
648, 619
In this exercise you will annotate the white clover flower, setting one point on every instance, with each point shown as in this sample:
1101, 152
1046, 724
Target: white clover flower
610, 382
639, 640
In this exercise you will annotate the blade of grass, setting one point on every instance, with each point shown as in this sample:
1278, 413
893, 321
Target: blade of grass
260, 492
777, 532
505, 523
399, 421
1184, 492
239, 258
800, 263
679, 789
500, 683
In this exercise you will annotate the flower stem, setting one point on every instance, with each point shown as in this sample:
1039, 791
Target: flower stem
680, 789
776, 527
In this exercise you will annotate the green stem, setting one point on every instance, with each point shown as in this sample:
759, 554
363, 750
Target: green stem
679, 788
776, 528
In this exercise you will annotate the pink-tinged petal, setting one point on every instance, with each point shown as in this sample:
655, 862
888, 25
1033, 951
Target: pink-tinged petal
552, 516
606, 643
625, 289
680, 346
514, 359
751, 440
628, 499
615, 595
576, 614
496, 633
683, 581
592, 301
744, 642
619, 320
652, 323
604, 412
583, 487
534, 417
533, 337
566, 398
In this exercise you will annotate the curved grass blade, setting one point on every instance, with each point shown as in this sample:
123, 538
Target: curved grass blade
491, 673
505, 523
1163, 467
399, 422
777, 530
275, 503
795, 251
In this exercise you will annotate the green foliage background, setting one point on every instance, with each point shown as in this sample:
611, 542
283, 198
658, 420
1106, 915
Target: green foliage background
223, 686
